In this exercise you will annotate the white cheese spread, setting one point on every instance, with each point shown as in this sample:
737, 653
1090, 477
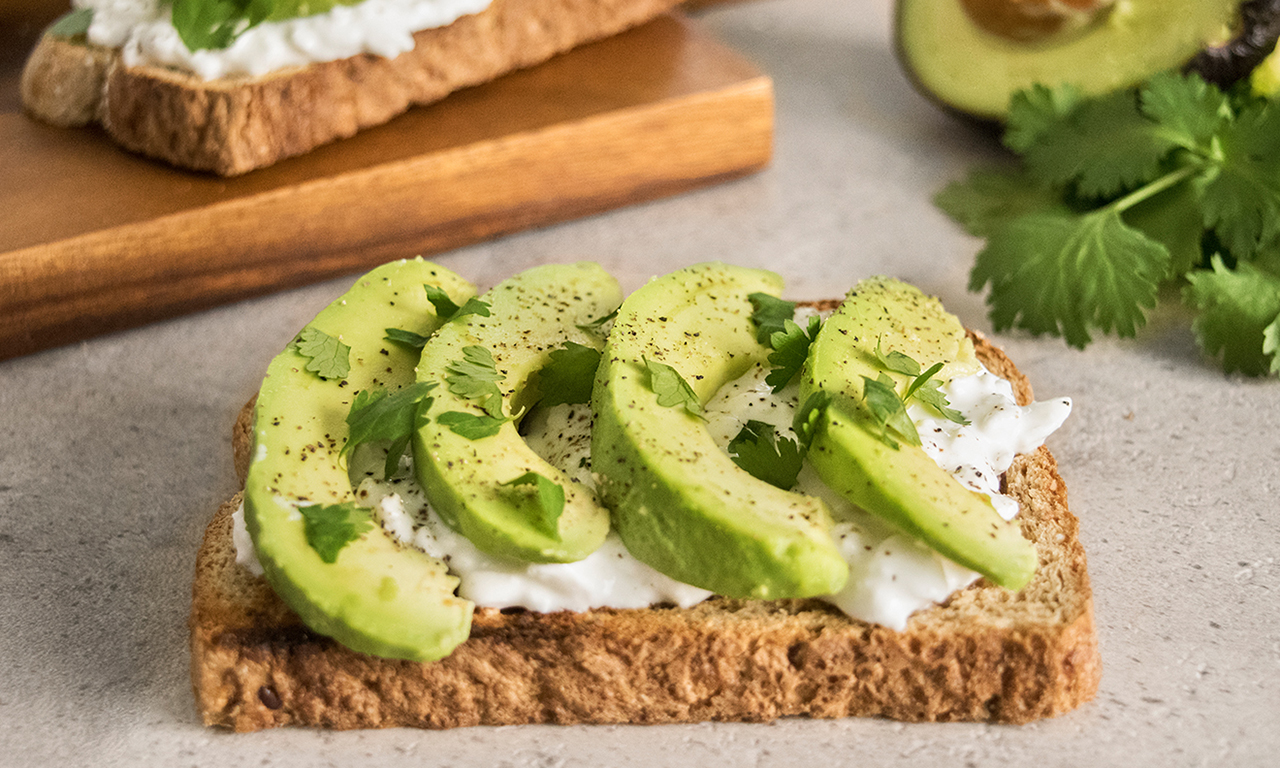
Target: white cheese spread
891, 575
146, 35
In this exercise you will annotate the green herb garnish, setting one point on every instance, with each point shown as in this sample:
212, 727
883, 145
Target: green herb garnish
217, 23
472, 426
447, 310
790, 348
407, 338
475, 377
328, 357
330, 527
72, 24
767, 456
923, 387
1117, 194
808, 415
671, 388
569, 375
770, 315
597, 325
550, 496
378, 415
888, 409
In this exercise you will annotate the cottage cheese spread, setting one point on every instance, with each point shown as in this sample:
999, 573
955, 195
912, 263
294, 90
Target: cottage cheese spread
891, 575
144, 32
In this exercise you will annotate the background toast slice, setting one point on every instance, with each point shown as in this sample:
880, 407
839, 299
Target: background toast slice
988, 654
234, 125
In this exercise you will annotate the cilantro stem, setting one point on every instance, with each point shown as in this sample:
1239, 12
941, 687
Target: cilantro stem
1147, 191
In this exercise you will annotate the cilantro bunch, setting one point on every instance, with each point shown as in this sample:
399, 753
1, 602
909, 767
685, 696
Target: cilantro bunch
1175, 182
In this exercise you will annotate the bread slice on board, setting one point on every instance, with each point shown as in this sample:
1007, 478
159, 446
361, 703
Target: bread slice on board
988, 654
233, 125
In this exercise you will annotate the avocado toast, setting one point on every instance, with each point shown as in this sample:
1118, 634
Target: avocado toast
987, 653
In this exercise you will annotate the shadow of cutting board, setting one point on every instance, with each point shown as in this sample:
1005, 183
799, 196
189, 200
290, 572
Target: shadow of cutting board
94, 239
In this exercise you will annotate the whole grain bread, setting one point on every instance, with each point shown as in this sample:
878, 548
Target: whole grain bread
988, 654
233, 125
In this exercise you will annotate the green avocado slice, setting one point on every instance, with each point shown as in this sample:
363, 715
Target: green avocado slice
956, 62
376, 597
474, 483
679, 502
903, 485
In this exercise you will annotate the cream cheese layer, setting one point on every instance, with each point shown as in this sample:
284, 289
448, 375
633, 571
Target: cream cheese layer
144, 32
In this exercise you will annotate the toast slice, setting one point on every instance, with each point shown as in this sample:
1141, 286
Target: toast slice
233, 125
988, 654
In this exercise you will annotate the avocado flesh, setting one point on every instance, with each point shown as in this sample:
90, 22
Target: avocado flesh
680, 503
953, 60
377, 597
903, 486
531, 315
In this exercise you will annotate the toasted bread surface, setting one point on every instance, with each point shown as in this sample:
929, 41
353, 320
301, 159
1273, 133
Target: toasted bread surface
988, 654
233, 125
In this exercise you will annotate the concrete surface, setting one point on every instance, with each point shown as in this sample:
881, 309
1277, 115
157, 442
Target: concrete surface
115, 453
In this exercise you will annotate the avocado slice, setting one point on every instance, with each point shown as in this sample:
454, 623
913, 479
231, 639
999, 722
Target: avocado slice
903, 485
469, 480
376, 596
963, 65
679, 502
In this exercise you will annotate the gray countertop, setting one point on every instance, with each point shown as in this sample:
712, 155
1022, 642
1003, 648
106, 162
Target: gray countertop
116, 452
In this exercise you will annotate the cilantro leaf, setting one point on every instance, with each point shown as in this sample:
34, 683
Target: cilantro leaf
1241, 201
770, 314
923, 387
569, 375
1032, 112
808, 415
1061, 273
791, 347
472, 426
1103, 147
1172, 218
1239, 316
476, 377
379, 415
72, 24
888, 411
448, 311
217, 23
550, 496
597, 325
407, 338
1188, 110
989, 198
1135, 187
927, 390
329, 357
765, 455
896, 361
331, 527
671, 388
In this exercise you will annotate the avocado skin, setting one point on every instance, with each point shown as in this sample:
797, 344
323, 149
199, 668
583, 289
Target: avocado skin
531, 315
1224, 65
944, 53
904, 485
377, 597
679, 503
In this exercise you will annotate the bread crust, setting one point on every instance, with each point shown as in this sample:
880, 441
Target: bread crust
233, 125
988, 654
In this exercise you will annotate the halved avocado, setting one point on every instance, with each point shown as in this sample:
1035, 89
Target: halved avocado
958, 55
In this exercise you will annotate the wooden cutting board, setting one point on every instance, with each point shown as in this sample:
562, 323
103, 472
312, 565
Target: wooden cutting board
94, 239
